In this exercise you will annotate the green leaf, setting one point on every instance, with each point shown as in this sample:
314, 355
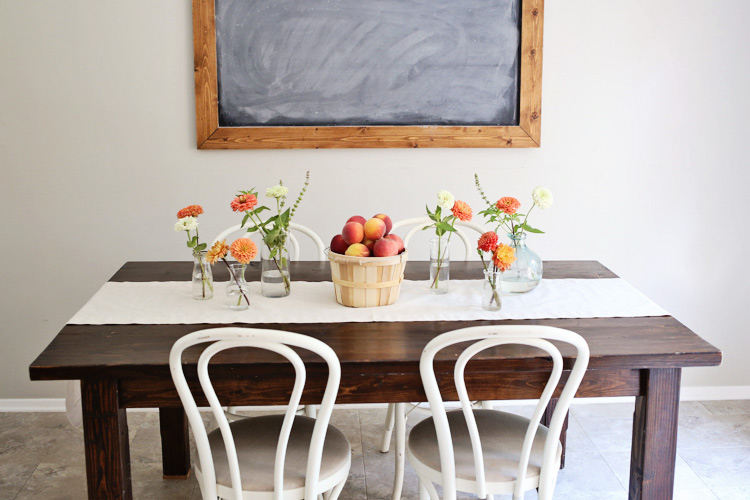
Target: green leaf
428, 211
530, 229
272, 254
444, 226
200, 247
189, 245
244, 219
252, 229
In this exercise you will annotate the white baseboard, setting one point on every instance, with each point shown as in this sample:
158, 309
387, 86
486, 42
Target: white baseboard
696, 393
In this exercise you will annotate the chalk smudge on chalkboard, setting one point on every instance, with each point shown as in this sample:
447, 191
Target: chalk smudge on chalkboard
367, 62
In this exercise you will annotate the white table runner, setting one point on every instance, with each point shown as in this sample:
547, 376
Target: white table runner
171, 303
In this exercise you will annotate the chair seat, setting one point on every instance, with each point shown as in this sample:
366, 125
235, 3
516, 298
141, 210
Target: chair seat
501, 435
256, 439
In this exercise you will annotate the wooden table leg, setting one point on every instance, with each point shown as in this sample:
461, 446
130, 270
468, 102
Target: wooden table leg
105, 432
547, 418
175, 443
654, 448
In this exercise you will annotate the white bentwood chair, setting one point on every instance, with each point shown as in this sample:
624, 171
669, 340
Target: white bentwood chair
240, 231
397, 413
293, 226
486, 452
270, 457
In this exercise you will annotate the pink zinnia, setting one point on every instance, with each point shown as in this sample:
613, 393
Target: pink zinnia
462, 210
487, 242
244, 202
508, 204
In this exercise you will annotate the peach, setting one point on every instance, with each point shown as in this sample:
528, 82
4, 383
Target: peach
387, 220
357, 218
385, 247
374, 229
397, 239
353, 232
338, 245
358, 250
368, 243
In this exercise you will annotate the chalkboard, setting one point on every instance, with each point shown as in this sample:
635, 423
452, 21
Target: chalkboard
367, 73
367, 62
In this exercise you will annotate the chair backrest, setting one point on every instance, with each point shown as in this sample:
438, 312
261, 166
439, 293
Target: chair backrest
293, 226
420, 223
271, 340
485, 337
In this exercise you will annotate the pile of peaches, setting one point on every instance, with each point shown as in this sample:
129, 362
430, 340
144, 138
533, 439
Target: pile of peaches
367, 238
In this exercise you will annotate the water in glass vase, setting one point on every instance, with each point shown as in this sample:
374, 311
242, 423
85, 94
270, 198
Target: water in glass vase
274, 277
526, 272
440, 265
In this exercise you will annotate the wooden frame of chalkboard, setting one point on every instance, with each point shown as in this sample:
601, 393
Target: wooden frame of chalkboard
210, 135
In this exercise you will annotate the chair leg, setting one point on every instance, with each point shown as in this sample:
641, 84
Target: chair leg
336, 491
423, 494
385, 442
399, 418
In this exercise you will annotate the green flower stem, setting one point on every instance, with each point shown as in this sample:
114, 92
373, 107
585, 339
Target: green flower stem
492, 280
440, 258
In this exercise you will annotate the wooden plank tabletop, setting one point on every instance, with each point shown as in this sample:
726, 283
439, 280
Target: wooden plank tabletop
84, 351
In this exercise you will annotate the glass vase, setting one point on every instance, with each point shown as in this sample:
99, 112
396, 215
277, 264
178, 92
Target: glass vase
203, 280
274, 277
440, 265
491, 292
526, 272
237, 288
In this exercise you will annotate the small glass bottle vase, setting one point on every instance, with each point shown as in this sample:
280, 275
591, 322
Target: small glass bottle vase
274, 277
203, 280
491, 291
237, 288
526, 272
440, 265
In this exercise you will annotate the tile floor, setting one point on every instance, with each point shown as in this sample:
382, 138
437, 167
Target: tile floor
41, 456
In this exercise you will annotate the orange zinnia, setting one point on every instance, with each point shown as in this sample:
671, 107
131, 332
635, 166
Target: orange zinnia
244, 202
508, 204
218, 251
503, 257
462, 210
191, 211
243, 250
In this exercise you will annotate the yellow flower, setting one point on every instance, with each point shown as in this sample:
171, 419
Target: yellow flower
503, 257
218, 251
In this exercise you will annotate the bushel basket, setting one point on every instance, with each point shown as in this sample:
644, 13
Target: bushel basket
367, 281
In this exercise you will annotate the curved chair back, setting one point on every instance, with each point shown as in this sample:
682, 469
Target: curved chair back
420, 223
293, 226
485, 337
276, 341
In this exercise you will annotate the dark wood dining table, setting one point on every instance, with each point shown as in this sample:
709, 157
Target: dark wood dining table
126, 366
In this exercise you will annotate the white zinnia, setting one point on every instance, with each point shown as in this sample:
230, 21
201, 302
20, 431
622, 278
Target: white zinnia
186, 224
542, 197
277, 191
445, 200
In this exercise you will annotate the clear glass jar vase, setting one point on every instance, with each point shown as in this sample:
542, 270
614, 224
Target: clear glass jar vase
440, 265
526, 272
274, 276
491, 291
237, 288
203, 279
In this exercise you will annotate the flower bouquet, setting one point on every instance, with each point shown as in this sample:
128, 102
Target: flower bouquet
243, 250
502, 257
440, 246
274, 231
526, 272
203, 283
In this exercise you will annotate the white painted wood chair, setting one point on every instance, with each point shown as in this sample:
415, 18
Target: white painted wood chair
270, 457
294, 243
241, 232
487, 452
397, 413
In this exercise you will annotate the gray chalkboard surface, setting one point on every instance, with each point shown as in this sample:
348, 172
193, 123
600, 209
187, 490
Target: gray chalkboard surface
367, 62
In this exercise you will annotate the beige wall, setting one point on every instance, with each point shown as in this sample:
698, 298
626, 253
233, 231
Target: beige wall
644, 145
